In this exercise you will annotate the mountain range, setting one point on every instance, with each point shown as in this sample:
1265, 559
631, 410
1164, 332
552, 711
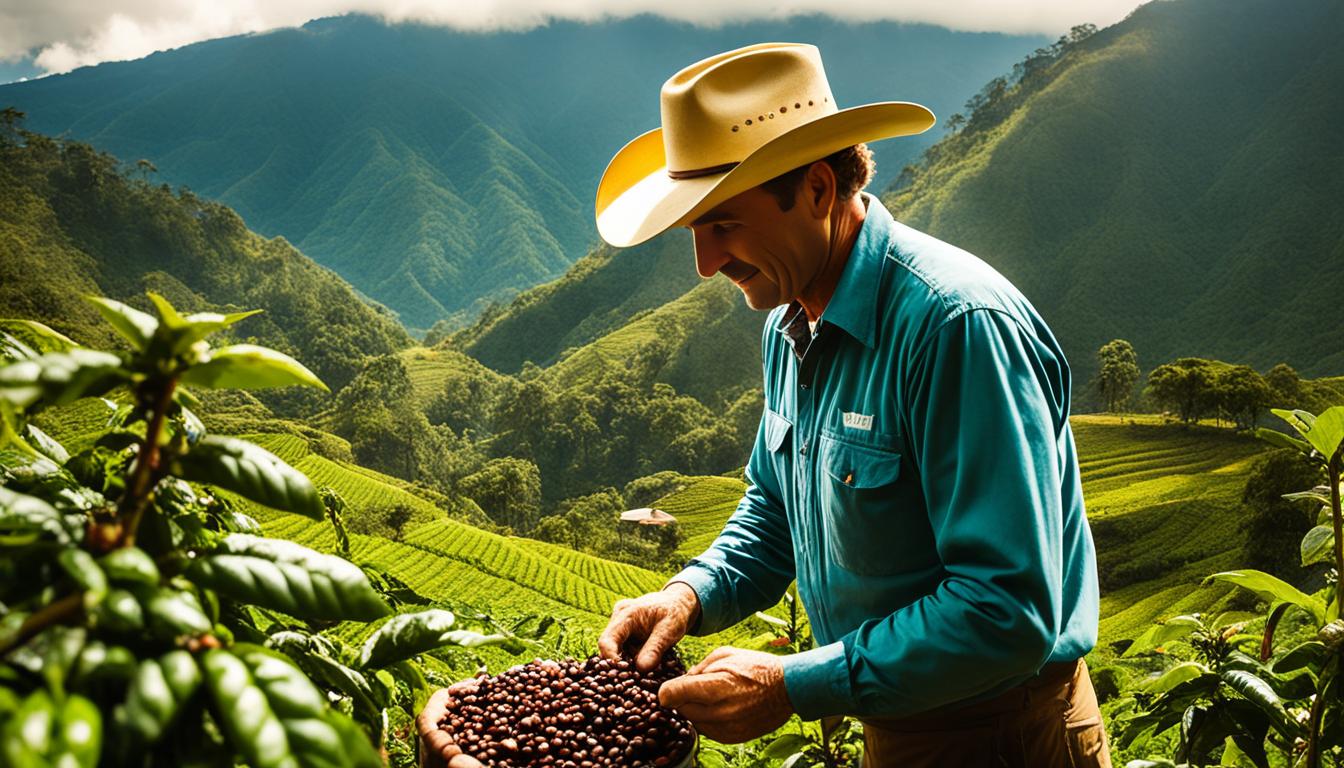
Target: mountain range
435, 169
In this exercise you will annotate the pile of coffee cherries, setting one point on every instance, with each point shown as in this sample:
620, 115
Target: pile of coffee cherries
597, 713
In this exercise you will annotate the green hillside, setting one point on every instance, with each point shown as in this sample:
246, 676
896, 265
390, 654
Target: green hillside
1167, 181
72, 223
436, 169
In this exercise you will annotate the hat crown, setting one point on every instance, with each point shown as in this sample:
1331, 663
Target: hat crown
718, 111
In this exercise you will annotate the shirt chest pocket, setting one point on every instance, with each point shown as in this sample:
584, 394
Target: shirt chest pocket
872, 524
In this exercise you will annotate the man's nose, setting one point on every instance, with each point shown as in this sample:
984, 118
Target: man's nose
709, 257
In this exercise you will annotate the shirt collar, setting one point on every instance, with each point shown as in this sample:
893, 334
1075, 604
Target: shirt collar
853, 306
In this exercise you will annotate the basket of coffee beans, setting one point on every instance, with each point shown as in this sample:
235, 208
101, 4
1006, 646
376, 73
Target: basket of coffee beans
597, 713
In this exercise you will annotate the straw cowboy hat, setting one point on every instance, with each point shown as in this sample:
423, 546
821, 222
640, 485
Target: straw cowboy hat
730, 123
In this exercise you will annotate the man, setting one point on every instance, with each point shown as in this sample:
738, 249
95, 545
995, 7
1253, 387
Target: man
914, 470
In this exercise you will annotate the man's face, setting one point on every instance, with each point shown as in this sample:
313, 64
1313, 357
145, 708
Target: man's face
769, 253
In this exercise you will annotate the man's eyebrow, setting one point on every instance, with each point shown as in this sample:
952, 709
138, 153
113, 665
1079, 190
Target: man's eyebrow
713, 216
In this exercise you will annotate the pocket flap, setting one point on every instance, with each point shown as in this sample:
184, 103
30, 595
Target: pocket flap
776, 430
860, 466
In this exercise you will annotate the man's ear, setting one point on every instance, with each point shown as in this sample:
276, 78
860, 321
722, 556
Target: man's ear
819, 186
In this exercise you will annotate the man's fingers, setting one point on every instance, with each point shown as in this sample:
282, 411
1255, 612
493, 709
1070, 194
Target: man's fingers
714, 655
465, 761
664, 636
705, 689
613, 637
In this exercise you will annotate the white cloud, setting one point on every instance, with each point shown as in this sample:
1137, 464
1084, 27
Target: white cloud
71, 33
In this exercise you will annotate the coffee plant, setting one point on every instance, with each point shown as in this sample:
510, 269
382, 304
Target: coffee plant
1237, 699
143, 619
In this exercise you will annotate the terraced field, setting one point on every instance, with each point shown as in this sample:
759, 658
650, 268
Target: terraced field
431, 370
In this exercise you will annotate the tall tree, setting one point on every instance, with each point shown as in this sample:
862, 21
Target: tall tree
1186, 386
1117, 371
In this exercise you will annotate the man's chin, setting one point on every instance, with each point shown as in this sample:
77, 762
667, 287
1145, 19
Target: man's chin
761, 302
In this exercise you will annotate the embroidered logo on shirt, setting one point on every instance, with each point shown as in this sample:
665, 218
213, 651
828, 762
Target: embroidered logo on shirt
861, 421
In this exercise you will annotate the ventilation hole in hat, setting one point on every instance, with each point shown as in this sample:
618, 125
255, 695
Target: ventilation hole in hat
827, 98
796, 105
760, 118
734, 129
782, 110
748, 121
809, 102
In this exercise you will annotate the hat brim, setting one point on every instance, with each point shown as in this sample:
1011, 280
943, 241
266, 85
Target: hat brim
637, 200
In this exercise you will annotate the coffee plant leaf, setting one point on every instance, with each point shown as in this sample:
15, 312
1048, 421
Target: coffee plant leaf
119, 612
1186, 670
289, 578
130, 565
135, 326
23, 514
405, 636
1176, 628
1261, 694
784, 746
1311, 652
252, 472
158, 692
244, 712
316, 734
247, 366
46, 338
1318, 546
46, 444
1272, 589
183, 331
57, 378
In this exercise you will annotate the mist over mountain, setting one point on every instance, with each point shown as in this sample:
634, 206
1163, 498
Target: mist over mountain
437, 169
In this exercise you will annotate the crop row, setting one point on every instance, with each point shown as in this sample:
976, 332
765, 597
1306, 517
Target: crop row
624, 580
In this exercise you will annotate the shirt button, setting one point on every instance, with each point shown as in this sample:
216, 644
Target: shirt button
804, 386
802, 451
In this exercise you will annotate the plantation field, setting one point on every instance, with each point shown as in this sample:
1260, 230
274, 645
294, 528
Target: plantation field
432, 370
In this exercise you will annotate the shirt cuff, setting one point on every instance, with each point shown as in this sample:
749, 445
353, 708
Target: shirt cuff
704, 582
817, 682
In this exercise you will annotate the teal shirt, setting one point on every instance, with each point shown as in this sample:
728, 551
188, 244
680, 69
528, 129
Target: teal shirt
915, 473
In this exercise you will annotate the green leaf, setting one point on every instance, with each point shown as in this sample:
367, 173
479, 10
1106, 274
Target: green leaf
1186, 670
784, 746
46, 444
135, 326
185, 331
130, 565
1259, 693
1271, 590
1318, 545
20, 513
290, 578
405, 636
1280, 440
1299, 656
1176, 628
288, 722
252, 472
159, 690
247, 366
57, 378
244, 711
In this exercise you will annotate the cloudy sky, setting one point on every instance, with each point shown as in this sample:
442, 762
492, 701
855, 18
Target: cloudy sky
49, 36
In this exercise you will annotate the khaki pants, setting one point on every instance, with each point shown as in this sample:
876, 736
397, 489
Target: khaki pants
1047, 722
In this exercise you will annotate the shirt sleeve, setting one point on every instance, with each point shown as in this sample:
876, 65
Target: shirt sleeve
986, 401
750, 564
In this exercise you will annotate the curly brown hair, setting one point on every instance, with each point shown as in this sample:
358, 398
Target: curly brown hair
853, 167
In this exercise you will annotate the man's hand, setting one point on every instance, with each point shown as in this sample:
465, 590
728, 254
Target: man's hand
657, 620
437, 748
732, 696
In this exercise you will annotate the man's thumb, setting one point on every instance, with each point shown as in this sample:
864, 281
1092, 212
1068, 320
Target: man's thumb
675, 692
